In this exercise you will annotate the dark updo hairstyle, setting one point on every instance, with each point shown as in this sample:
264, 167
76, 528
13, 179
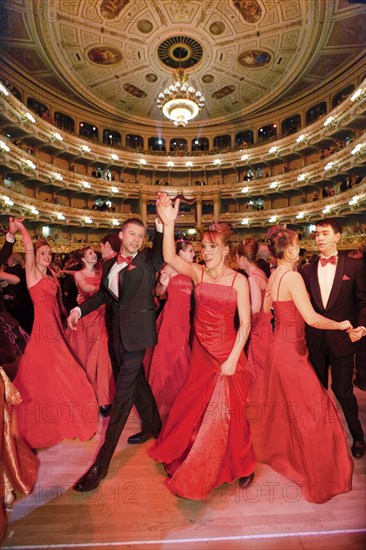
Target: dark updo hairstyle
279, 240
221, 231
181, 244
248, 249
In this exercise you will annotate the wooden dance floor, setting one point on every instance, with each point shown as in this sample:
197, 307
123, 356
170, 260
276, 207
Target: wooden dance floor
133, 509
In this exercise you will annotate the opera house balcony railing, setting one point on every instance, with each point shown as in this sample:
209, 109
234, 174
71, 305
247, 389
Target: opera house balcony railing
32, 171
350, 114
20, 164
32, 208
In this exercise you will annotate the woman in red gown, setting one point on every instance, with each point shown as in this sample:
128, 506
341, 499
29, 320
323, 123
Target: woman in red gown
166, 365
298, 432
90, 342
58, 401
206, 438
261, 331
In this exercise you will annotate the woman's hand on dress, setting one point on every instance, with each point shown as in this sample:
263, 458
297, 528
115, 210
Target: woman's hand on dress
228, 367
73, 320
165, 209
345, 325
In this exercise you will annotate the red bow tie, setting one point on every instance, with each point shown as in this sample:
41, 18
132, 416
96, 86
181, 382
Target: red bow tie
330, 260
121, 259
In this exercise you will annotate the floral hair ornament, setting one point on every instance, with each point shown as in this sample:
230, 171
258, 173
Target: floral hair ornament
214, 227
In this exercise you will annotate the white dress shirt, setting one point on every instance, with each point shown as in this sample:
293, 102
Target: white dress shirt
113, 277
326, 275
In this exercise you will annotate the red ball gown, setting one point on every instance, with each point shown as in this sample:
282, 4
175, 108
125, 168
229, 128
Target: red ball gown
206, 439
58, 401
261, 334
166, 365
89, 344
297, 430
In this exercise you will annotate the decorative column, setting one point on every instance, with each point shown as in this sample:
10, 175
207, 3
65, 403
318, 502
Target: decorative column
143, 209
216, 212
199, 211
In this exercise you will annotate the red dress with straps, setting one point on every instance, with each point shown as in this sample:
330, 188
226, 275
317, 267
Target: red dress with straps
58, 401
89, 344
167, 364
297, 430
206, 439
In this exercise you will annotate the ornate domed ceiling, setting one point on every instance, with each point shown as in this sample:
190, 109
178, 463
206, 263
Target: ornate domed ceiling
243, 55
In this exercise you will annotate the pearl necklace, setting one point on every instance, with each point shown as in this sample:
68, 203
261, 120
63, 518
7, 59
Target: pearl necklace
215, 278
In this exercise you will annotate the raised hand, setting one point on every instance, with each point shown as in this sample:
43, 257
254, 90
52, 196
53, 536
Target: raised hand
165, 209
15, 224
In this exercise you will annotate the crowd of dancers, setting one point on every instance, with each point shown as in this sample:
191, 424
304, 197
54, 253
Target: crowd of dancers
227, 342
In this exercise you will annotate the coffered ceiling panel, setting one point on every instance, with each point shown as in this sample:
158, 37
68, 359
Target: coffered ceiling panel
243, 55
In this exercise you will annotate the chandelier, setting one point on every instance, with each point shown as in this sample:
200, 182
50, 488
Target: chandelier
180, 102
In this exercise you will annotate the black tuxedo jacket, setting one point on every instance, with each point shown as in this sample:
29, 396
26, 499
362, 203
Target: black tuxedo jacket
134, 319
6, 251
347, 300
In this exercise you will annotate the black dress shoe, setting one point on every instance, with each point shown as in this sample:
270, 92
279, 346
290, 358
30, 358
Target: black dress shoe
244, 482
358, 448
105, 410
140, 437
90, 480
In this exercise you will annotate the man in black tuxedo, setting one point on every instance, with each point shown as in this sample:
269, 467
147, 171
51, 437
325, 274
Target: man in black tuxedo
17, 299
337, 288
127, 284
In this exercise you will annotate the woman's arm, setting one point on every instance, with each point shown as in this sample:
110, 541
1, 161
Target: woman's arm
267, 304
32, 274
83, 285
163, 281
296, 287
241, 286
67, 272
30, 261
9, 278
168, 214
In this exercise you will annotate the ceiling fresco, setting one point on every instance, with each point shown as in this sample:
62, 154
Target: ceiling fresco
243, 55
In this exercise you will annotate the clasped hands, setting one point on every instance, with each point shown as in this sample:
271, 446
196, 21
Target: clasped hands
15, 224
356, 334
